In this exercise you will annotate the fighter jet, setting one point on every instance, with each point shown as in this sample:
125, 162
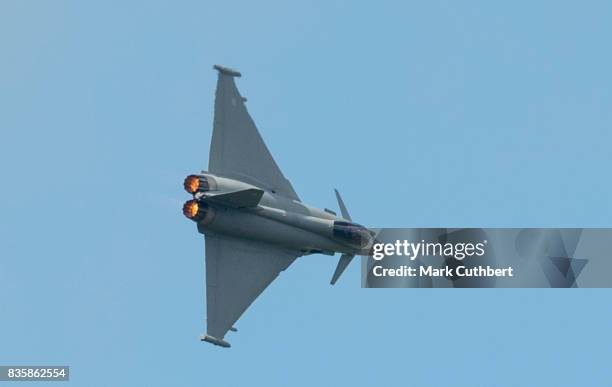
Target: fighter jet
253, 221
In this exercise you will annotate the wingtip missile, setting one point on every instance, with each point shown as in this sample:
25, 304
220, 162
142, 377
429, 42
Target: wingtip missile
215, 341
227, 71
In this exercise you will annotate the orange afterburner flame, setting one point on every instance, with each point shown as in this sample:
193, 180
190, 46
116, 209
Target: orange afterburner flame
191, 208
191, 184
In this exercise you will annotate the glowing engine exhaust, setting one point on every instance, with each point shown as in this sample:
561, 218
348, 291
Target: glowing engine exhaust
191, 209
195, 183
198, 211
194, 210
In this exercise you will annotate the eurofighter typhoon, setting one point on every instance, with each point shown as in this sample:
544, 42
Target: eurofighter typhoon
253, 221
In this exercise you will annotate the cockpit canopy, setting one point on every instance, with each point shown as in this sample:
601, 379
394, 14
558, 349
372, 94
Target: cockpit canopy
353, 234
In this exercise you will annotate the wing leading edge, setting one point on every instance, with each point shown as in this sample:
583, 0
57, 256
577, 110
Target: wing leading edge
237, 272
237, 149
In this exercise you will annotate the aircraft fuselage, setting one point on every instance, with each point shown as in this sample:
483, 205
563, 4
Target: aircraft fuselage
275, 219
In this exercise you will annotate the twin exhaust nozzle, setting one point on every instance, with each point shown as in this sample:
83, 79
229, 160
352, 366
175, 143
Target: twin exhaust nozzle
194, 209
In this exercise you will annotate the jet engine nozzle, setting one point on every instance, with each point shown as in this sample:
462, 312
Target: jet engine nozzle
196, 183
198, 211
191, 209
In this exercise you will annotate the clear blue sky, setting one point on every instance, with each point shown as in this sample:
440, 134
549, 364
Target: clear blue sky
471, 114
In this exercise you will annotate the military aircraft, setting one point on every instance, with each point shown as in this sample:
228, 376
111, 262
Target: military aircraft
254, 223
